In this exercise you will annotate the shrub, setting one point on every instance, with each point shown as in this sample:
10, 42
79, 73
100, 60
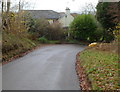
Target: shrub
55, 32
38, 27
43, 40
41, 27
85, 27
14, 45
16, 24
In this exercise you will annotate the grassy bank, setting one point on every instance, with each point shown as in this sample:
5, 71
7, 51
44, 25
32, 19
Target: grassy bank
101, 68
14, 45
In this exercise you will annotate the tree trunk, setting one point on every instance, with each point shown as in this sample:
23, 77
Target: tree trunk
19, 5
2, 5
8, 6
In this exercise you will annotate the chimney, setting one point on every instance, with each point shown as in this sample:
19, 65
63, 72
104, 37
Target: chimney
67, 11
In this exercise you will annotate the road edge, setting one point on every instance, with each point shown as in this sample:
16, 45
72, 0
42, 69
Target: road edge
84, 82
25, 53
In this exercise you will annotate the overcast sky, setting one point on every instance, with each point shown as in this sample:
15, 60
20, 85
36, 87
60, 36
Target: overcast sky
59, 5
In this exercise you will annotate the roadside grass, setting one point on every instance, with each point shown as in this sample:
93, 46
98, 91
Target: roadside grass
73, 41
14, 45
44, 40
101, 68
54, 42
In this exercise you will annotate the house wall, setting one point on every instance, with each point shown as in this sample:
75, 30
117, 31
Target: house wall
67, 19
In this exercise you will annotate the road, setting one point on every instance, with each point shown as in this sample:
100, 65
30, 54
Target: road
46, 68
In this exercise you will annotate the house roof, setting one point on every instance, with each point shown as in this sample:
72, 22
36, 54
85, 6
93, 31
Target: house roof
62, 14
48, 14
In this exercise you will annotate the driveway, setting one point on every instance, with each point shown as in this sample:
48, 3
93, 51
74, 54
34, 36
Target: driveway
46, 68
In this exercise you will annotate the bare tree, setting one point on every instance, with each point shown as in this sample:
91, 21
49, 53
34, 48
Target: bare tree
2, 5
19, 5
5, 16
8, 6
89, 9
23, 4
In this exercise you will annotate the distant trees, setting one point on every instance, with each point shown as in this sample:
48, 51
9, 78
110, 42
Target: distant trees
12, 22
108, 15
5, 14
89, 9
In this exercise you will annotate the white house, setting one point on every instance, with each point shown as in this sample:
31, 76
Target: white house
63, 18
66, 19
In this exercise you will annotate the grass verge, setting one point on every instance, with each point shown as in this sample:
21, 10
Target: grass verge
101, 69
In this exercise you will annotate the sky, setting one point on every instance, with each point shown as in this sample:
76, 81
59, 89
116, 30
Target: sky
59, 5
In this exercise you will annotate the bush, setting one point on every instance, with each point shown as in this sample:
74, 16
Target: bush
14, 35
14, 45
55, 32
41, 27
85, 27
43, 40
16, 24
38, 27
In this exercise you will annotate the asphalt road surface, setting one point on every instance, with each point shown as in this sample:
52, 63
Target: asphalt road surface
46, 68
